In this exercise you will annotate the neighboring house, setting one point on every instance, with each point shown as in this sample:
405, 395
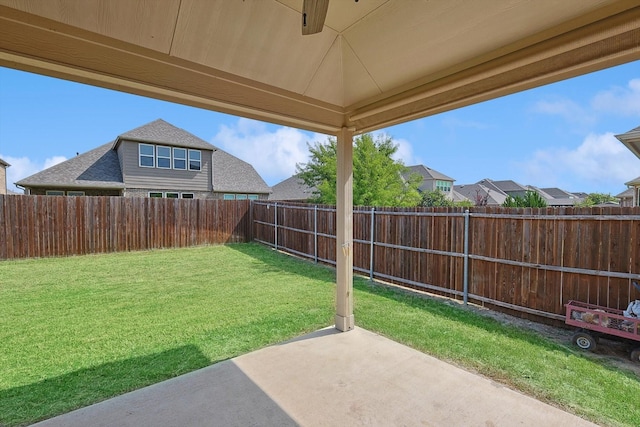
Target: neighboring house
631, 196
557, 197
626, 198
631, 140
154, 160
433, 180
292, 189
3, 176
480, 194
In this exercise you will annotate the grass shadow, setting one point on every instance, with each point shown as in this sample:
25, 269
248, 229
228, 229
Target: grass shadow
54, 396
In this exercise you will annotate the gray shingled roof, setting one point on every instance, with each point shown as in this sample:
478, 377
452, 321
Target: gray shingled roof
161, 132
98, 168
509, 186
429, 173
230, 174
557, 193
472, 191
3, 163
292, 188
628, 193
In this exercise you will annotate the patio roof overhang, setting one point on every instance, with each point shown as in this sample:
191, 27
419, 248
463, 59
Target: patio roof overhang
376, 63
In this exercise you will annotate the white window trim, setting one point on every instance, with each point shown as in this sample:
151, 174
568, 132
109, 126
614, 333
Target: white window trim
149, 194
186, 159
153, 156
54, 193
193, 196
229, 196
158, 157
166, 194
189, 159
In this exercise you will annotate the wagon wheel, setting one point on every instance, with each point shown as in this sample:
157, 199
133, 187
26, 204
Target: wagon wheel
586, 341
635, 354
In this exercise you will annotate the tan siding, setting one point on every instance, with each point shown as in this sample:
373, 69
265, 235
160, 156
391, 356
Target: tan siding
3, 180
135, 176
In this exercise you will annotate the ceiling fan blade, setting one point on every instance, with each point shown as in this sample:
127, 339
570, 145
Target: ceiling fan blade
314, 13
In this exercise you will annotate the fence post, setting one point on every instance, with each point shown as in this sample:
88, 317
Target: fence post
371, 246
465, 279
315, 234
275, 222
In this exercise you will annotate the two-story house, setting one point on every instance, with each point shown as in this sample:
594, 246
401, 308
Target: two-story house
154, 160
631, 196
433, 180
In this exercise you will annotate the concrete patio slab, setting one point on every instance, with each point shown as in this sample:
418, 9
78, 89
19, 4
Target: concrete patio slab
325, 378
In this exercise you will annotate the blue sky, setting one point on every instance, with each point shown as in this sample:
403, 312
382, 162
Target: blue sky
559, 135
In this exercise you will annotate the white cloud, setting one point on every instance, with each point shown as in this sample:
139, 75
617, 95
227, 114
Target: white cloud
619, 100
404, 152
53, 161
274, 154
22, 167
569, 110
601, 163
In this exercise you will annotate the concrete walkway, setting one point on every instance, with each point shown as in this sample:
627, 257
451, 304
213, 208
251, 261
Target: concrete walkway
324, 379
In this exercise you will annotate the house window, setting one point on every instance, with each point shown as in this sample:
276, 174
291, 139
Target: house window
195, 158
444, 186
180, 158
75, 193
241, 197
172, 195
155, 195
163, 156
229, 197
54, 193
187, 195
147, 155
253, 197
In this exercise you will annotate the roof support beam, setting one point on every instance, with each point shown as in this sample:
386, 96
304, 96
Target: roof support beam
344, 243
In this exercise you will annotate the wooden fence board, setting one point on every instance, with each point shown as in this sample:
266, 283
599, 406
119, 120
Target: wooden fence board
45, 226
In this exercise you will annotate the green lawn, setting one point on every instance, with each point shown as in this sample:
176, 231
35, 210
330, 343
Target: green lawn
78, 330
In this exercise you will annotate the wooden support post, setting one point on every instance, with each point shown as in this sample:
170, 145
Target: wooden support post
344, 245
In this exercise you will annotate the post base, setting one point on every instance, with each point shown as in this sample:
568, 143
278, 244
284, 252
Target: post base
344, 324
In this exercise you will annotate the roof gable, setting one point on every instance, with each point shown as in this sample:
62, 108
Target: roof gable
161, 132
98, 168
292, 188
230, 174
428, 173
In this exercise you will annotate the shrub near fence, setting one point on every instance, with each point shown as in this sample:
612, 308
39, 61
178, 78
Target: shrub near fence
528, 261
43, 226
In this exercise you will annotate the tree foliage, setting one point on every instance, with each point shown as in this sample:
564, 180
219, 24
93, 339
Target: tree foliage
593, 199
531, 199
435, 198
377, 177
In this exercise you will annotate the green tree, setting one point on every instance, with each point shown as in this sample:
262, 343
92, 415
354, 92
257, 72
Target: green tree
435, 198
531, 199
596, 199
377, 178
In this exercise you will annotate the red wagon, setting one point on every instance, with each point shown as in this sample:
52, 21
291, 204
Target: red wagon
594, 321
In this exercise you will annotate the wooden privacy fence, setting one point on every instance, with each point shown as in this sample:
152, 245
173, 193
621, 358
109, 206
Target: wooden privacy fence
531, 261
43, 226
